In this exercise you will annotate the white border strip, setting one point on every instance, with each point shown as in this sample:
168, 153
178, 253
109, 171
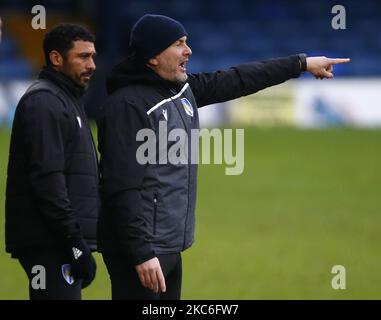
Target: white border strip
169, 99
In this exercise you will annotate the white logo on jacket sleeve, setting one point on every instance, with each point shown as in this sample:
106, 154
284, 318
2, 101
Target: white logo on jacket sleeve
165, 114
77, 253
187, 106
79, 122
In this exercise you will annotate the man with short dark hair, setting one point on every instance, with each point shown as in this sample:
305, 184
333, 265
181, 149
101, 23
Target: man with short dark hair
52, 199
148, 217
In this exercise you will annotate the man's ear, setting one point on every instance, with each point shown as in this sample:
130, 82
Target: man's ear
55, 58
153, 62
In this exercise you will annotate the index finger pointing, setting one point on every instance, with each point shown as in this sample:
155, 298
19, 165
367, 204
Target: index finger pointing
339, 60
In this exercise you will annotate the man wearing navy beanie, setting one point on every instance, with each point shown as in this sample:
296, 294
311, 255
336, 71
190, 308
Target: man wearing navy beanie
148, 215
152, 34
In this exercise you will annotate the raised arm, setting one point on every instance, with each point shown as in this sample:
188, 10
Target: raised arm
249, 78
243, 79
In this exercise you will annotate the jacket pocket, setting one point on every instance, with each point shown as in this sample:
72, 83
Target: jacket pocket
154, 213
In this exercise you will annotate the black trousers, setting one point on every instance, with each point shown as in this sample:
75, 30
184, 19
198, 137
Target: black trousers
126, 285
47, 271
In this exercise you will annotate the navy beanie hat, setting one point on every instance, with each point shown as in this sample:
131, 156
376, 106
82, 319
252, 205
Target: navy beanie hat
152, 34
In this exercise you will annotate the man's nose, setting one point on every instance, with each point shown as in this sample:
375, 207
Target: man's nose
91, 65
188, 50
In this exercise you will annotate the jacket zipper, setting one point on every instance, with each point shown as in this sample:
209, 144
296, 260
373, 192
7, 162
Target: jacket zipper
186, 217
154, 213
93, 147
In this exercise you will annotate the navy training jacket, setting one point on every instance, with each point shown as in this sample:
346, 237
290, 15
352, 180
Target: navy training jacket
150, 209
52, 189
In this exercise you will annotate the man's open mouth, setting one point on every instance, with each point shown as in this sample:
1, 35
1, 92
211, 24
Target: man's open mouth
183, 66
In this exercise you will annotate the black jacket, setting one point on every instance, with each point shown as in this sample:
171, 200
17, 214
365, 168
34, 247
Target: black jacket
52, 185
150, 209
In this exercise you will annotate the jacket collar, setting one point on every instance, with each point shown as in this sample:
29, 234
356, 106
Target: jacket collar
62, 81
132, 71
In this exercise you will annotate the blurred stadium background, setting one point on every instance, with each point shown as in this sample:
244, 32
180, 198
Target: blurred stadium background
309, 197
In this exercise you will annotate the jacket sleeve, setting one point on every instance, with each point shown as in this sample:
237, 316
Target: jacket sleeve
122, 177
242, 80
46, 130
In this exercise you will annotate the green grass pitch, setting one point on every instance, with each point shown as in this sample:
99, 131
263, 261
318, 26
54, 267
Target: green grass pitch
307, 201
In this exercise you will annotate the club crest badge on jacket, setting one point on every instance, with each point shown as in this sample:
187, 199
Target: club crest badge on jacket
66, 268
187, 106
